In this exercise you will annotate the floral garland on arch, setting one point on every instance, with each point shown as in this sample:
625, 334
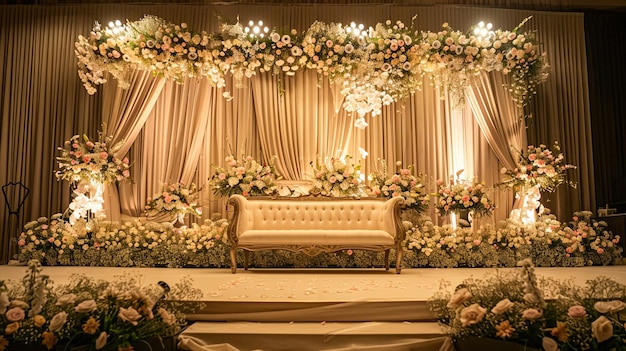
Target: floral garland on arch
375, 67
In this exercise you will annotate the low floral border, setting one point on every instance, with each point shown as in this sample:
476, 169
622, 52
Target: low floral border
581, 242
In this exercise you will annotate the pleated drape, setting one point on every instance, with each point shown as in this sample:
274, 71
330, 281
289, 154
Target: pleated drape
43, 103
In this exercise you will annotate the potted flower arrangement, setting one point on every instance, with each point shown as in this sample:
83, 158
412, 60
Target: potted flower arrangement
96, 314
338, 177
509, 311
402, 183
177, 199
539, 166
244, 176
462, 196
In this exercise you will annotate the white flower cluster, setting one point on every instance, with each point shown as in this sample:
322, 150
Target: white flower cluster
245, 176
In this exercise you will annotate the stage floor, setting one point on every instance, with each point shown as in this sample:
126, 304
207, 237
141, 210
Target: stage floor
312, 285
313, 309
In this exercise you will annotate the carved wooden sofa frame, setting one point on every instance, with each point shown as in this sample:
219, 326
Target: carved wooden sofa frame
313, 225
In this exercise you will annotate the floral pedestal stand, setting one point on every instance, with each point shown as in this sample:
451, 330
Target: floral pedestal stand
87, 203
529, 199
461, 219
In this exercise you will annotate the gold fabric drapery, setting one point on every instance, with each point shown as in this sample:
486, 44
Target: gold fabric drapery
43, 104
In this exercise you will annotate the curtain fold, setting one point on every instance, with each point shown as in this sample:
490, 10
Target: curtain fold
124, 113
501, 122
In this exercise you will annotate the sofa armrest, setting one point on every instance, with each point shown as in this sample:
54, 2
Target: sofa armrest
392, 218
242, 217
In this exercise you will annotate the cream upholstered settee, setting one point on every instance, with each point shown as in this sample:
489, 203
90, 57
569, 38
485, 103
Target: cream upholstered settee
315, 224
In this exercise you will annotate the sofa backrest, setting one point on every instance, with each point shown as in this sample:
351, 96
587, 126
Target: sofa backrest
316, 213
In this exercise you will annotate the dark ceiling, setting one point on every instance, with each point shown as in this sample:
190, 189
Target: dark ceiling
540, 5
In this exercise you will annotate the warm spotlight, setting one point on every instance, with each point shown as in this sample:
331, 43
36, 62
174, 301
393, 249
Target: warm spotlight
256, 30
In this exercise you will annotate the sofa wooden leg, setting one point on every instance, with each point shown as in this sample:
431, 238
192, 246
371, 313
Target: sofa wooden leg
398, 260
246, 259
233, 260
387, 259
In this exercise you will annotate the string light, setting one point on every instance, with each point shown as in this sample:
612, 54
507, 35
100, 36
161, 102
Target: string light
116, 27
256, 30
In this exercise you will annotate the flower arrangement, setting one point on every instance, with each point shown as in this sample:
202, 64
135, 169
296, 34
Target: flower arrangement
103, 315
376, 67
176, 198
462, 195
244, 176
338, 177
537, 313
548, 242
55, 241
403, 183
538, 166
82, 159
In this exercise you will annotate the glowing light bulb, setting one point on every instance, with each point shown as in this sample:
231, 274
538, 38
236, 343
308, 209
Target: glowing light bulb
118, 23
111, 25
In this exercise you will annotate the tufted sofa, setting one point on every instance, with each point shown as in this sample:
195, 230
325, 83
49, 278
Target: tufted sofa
315, 224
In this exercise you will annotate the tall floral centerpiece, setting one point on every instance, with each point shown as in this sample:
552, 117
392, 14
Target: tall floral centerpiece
336, 177
539, 169
88, 165
244, 176
177, 199
461, 195
402, 183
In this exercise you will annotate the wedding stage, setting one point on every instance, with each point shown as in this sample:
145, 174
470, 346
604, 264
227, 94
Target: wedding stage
313, 309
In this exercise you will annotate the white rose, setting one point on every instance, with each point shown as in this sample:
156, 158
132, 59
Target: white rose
609, 306
4, 302
502, 306
459, 297
57, 322
67, 299
86, 306
602, 329
101, 340
129, 315
472, 314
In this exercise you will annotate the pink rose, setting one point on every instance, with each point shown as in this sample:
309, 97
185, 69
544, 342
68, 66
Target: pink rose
104, 155
577, 311
15, 314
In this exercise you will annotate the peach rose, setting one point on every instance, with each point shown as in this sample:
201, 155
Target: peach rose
86, 306
129, 315
11, 328
577, 311
57, 322
459, 297
502, 306
472, 314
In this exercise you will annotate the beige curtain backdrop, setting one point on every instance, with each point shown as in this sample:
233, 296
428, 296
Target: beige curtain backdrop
43, 103
124, 114
501, 122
